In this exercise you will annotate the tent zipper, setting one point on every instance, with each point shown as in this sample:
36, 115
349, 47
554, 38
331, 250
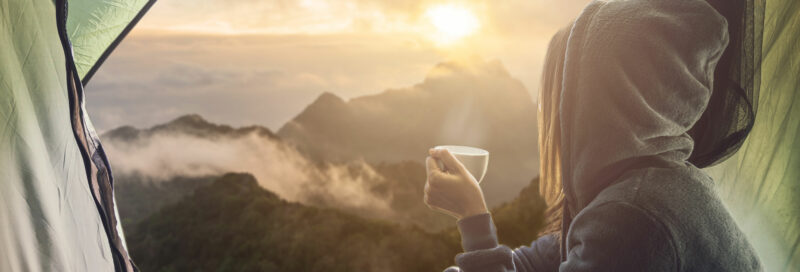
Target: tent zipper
100, 185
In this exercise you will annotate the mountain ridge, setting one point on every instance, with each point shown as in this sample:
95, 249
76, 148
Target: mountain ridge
191, 124
474, 103
234, 224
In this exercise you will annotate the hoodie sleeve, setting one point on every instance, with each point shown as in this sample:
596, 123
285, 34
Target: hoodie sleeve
614, 236
483, 253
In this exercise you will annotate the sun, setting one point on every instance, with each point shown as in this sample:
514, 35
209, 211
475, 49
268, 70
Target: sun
452, 22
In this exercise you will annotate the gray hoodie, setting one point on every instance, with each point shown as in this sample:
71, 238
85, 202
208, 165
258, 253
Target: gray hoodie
637, 75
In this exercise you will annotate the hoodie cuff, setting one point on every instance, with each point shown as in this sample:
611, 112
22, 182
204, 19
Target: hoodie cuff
477, 232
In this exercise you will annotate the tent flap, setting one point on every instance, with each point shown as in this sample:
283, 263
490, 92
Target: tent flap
95, 27
761, 183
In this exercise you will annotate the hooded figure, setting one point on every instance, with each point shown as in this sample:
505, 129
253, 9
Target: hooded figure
622, 88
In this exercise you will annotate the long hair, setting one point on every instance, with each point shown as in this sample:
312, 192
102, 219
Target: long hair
550, 131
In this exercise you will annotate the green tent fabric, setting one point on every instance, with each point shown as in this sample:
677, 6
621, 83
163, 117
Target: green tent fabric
761, 183
57, 211
95, 27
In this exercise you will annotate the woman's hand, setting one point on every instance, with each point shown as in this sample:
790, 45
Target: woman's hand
453, 191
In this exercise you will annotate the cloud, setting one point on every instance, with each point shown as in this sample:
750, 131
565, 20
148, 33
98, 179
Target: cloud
278, 168
241, 80
346, 16
278, 63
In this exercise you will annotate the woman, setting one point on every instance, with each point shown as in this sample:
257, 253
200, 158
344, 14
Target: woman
621, 139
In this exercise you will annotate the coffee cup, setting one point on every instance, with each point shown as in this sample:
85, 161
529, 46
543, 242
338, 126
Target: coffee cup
475, 160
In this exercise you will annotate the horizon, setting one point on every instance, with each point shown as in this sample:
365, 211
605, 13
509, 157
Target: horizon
203, 117
233, 65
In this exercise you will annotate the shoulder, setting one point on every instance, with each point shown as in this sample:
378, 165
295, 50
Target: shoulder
666, 194
681, 205
659, 186
619, 236
628, 219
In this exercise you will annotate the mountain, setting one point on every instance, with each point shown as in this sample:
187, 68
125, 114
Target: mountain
471, 102
338, 188
138, 197
401, 185
363, 156
156, 166
190, 124
233, 224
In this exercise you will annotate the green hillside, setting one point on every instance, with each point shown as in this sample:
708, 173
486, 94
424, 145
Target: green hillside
233, 224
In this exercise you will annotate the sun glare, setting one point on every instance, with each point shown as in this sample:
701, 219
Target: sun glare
452, 22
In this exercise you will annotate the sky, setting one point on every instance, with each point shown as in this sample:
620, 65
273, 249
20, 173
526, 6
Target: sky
250, 62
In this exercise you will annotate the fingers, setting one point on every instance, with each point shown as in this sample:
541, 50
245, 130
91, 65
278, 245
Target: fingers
435, 201
427, 195
431, 165
441, 188
450, 161
431, 195
435, 174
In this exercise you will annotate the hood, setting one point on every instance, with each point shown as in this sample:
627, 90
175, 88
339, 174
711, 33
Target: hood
637, 75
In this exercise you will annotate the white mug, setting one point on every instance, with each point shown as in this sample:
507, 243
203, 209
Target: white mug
476, 160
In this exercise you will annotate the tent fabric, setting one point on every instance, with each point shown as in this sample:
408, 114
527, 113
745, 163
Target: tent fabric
761, 182
95, 27
48, 219
57, 210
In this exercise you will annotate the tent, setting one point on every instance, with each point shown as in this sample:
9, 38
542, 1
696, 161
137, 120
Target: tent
57, 210
56, 187
761, 182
